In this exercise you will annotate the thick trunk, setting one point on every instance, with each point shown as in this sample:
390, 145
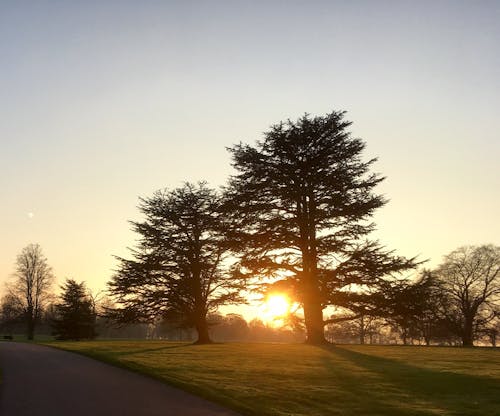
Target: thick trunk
427, 334
467, 334
200, 302
313, 310
313, 317
30, 323
202, 329
362, 330
467, 341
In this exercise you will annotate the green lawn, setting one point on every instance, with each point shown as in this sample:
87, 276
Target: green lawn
295, 379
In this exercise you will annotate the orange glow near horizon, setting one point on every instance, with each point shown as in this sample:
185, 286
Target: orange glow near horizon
275, 308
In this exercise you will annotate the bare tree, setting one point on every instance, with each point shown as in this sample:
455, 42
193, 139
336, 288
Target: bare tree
32, 281
470, 276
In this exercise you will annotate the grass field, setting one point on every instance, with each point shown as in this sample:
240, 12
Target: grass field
295, 379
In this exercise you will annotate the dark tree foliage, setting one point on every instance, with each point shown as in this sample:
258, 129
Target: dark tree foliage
304, 197
358, 331
12, 314
177, 269
75, 316
412, 307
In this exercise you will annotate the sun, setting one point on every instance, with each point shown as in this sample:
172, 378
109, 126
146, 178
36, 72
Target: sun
276, 306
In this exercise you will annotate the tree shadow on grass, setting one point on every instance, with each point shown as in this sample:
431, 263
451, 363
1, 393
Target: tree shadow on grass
146, 350
443, 392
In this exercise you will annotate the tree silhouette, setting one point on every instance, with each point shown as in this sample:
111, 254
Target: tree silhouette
303, 198
413, 307
75, 315
11, 313
32, 281
177, 269
470, 276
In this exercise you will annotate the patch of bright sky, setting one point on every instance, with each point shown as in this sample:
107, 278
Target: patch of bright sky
103, 102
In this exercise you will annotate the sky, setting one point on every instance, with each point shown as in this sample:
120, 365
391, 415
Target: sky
104, 102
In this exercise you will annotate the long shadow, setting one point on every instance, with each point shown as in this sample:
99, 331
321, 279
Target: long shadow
368, 393
114, 354
180, 345
453, 393
145, 350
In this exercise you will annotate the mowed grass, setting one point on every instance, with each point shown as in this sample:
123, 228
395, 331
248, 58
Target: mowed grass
295, 379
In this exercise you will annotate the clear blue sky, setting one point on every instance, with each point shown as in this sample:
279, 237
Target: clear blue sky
105, 101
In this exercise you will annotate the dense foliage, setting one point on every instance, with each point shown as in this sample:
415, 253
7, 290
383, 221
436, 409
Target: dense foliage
75, 316
303, 198
177, 269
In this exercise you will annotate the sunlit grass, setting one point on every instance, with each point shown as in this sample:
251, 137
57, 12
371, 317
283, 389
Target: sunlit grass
295, 379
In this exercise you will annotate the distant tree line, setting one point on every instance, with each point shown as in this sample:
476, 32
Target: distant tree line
433, 309
457, 303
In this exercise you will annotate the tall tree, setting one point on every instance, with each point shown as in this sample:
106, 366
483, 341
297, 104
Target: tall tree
75, 315
304, 198
470, 276
32, 282
178, 266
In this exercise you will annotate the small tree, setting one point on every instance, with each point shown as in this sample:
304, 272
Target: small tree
32, 281
177, 268
75, 316
470, 276
11, 313
492, 331
410, 307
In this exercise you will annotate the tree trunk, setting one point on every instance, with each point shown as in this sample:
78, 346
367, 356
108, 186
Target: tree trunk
427, 334
202, 329
404, 337
30, 323
467, 334
313, 310
200, 302
362, 330
313, 317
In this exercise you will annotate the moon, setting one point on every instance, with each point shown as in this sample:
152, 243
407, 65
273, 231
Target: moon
30, 215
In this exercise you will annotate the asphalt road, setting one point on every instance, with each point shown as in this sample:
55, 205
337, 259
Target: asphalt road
43, 381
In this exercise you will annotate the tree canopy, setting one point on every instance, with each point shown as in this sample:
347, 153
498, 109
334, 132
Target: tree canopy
75, 315
178, 266
470, 277
32, 281
303, 198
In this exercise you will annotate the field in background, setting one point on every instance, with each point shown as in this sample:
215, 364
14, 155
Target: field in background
296, 379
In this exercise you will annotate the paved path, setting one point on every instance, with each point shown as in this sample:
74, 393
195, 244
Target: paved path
43, 381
